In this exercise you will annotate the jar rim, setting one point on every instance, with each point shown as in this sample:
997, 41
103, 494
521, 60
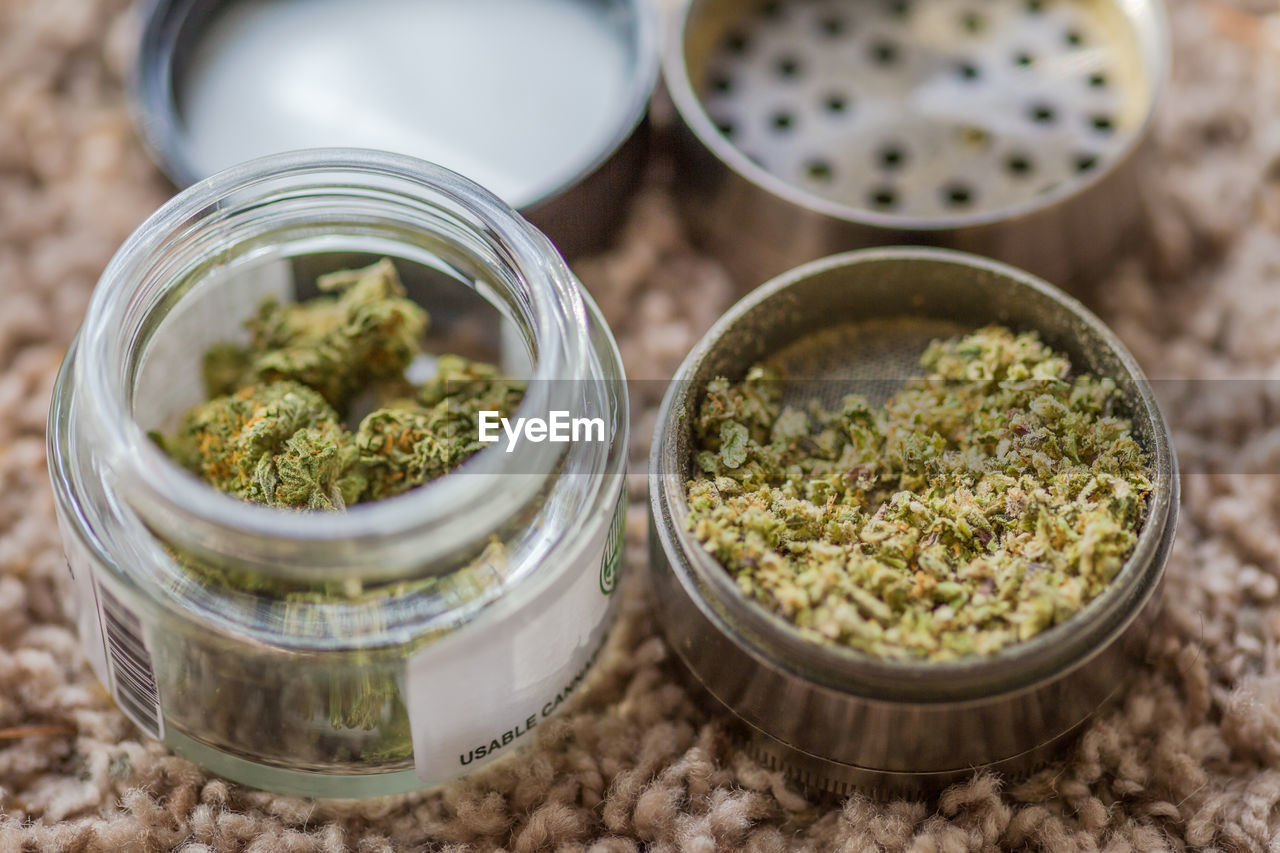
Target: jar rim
556, 306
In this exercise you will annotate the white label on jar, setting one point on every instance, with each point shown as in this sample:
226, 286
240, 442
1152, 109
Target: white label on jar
475, 695
116, 643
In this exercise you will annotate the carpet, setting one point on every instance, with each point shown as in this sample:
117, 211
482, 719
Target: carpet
1190, 759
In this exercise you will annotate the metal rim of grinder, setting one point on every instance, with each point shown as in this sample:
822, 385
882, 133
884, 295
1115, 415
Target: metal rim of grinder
837, 719
1007, 128
580, 212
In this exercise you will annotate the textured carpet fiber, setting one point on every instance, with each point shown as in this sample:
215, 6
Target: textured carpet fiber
1190, 759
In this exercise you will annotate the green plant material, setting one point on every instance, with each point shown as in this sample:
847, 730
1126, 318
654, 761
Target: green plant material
981, 505
226, 367
272, 433
278, 444
395, 735
410, 442
363, 330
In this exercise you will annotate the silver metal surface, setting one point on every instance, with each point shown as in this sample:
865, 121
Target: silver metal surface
1006, 127
579, 215
836, 718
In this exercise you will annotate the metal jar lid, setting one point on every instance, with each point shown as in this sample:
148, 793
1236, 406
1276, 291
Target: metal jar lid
838, 719
544, 102
1008, 128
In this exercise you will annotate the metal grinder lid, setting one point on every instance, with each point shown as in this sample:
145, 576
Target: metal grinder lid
925, 113
526, 97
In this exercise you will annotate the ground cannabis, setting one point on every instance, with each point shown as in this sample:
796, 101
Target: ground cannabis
983, 503
273, 429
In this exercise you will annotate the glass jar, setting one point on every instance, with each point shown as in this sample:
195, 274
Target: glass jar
425, 634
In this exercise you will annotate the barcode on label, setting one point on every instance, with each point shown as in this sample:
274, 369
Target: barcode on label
132, 675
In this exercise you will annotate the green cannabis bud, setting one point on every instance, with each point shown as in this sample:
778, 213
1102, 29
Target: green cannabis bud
363, 330
272, 431
981, 505
278, 444
412, 441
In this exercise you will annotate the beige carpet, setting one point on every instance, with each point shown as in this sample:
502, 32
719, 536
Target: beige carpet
1192, 759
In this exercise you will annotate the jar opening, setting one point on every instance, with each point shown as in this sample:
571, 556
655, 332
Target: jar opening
200, 266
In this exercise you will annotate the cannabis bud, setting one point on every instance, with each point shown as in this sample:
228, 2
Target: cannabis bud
272, 431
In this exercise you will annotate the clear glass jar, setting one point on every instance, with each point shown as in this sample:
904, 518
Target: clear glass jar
429, 633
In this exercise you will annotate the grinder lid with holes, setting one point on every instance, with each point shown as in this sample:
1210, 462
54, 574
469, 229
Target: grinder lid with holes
1004, 127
